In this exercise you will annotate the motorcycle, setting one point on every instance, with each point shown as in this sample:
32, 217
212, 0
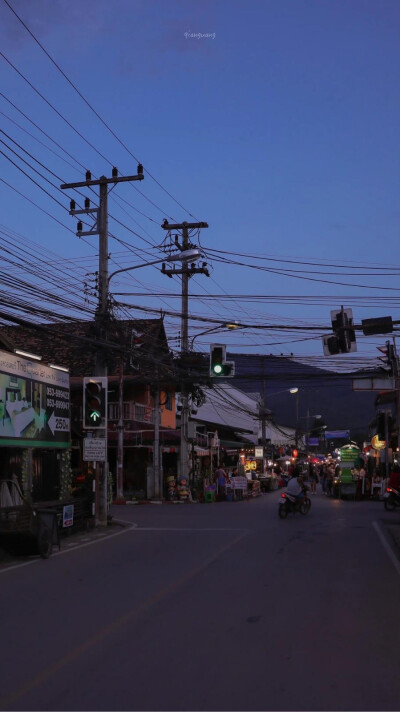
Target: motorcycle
391, 499
288, 503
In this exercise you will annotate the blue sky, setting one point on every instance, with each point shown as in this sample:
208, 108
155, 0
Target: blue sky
280, 130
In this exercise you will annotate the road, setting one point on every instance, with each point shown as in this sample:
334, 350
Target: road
209, 607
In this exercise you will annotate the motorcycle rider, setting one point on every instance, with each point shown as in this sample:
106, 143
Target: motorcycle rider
394, 480
295, 485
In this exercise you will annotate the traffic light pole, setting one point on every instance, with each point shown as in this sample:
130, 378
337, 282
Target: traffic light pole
101, 229
186, 271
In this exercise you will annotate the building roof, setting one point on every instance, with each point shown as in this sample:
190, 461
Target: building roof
142, 343
228, 407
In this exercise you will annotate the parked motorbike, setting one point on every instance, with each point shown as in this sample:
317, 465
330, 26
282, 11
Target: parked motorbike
391, 499
288, 503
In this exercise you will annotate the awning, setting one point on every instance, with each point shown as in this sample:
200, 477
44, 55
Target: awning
237, 445
201, 451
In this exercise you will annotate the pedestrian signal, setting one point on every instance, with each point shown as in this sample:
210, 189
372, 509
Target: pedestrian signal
95, 402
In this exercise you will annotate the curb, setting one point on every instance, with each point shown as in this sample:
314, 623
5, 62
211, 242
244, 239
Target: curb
67, 543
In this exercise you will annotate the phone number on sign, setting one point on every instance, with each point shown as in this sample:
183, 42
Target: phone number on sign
56, 393
62, 405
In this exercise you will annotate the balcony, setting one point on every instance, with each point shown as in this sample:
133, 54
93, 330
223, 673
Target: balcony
132, 412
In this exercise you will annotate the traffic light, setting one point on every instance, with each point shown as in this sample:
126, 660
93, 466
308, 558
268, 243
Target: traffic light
342, 324
330, 345
95, 402
219, 366
389, 357
343, 339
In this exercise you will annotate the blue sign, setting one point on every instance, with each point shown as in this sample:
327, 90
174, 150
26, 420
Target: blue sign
337, 434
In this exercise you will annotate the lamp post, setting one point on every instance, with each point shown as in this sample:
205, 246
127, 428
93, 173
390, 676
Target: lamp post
228, 325
157, 489
316, 417
263, 410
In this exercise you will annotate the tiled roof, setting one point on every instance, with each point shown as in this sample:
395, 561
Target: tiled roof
74, 344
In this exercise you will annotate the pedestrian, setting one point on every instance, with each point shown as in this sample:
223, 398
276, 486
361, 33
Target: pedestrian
221, 482
312, 477
323, 476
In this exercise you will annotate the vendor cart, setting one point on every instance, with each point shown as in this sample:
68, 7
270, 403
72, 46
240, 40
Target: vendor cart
19, 518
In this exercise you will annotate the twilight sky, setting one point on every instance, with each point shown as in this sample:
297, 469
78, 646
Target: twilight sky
280, 129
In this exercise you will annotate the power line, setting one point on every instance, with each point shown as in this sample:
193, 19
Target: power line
92, 109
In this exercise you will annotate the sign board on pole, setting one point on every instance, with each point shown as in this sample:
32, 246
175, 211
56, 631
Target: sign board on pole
374, 384
94, 450
349, 454
34, 403
259, 452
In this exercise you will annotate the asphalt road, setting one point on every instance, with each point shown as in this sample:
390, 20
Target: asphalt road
210, 607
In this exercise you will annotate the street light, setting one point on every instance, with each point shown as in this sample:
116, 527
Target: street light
180, 257
229, 325
263, 410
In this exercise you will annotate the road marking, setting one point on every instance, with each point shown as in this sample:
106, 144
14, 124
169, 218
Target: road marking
187, 529
389, 550
98, 638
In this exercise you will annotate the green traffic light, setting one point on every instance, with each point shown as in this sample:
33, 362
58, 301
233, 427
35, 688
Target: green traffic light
95, 416
217, 368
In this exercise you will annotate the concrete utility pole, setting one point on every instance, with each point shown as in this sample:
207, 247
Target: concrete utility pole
120, 429
100, 228
186, 271
263, 413
158, 489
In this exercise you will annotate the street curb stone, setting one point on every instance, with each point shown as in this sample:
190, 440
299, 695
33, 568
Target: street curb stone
11, 558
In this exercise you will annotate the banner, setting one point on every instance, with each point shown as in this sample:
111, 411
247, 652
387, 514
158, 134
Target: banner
337, 434
34, 404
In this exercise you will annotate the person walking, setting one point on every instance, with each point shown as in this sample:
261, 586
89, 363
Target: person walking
221, 483
312, 477
323, 471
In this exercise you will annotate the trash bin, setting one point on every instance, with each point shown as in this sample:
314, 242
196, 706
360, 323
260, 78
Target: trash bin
47, 531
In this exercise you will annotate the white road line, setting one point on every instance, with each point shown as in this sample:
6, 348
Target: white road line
188, 529
392, 556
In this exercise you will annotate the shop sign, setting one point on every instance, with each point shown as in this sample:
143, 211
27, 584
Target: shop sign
378, 444
68, 515
349, 454
34, 403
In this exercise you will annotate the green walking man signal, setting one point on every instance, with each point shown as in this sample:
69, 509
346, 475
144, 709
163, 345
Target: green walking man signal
95, 402
219, 366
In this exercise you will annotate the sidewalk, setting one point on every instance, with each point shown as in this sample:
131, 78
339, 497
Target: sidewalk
23, 550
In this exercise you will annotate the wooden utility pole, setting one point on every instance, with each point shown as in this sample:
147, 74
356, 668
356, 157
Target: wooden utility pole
186, 271
100, 228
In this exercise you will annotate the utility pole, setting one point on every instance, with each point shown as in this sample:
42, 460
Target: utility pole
158, 493
186, 271
120, 430
263, 413
100, 228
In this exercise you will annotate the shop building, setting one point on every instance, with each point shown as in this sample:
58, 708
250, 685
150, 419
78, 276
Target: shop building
134, 370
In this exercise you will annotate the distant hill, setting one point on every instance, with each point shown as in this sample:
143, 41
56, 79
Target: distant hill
321, 392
